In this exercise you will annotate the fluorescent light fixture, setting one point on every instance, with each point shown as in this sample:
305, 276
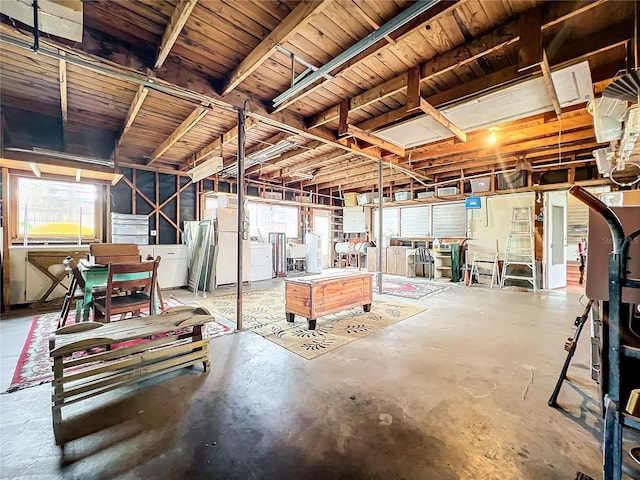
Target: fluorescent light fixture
64, 156
261, 156
205, 169
35, 169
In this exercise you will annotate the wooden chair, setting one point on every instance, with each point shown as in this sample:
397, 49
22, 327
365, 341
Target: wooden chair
75, 292
136, 283
422, 256
103, 253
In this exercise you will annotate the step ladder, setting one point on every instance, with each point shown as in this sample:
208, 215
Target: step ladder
520, 248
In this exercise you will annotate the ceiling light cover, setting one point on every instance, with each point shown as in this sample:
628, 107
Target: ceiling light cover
205, 169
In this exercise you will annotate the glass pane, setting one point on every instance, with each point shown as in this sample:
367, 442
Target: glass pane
557, 235
56, 210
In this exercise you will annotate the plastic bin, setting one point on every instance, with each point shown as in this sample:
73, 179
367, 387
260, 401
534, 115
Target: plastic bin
350, 199
482, 184
364, 199
401, 196
444, 191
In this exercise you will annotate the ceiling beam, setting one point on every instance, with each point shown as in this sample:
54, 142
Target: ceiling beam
569, 54
291, 25
484, 45
312, 163
191, 121
134, 108
426, 18
62, 78
178, 19
374, 140
225, 138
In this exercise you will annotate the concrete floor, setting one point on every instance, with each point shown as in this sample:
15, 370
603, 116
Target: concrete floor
458, 391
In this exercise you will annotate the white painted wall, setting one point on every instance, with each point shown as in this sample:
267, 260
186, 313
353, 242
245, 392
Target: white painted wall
493, 220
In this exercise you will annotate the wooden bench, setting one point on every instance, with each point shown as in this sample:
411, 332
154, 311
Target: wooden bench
106, 363
313, 297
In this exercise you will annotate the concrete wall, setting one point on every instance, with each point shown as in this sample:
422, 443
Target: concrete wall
493, 220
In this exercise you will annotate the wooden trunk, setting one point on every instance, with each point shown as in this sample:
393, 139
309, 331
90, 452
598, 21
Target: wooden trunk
313, 297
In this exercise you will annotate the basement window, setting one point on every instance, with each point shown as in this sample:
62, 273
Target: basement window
53, 211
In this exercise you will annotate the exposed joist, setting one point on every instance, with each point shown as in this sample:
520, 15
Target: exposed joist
134, 108
62, 78
291, 25
178, 19
430, 110
374, 140
311, 164
469, 52
548, 81
225, 138
191, 121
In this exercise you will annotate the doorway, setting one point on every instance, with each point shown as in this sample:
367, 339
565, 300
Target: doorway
555, 239
321, 226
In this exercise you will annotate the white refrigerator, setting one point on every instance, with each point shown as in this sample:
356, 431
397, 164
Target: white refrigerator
227, 251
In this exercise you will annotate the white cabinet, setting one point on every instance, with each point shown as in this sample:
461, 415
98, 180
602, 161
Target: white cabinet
173, 268
261, 261
355, 219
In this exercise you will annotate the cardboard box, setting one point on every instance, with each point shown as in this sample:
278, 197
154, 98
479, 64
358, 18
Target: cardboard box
350, 199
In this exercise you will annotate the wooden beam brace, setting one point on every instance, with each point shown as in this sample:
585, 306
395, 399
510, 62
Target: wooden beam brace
374, 140
548, 81
291, 25
413, 89
530, 53
430, 110
344, 118
191, 121
178, 19
62, 78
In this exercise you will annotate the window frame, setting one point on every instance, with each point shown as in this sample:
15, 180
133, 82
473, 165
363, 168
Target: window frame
17, 237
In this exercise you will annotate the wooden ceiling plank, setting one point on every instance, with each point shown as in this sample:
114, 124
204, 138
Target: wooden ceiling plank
548, 81
178, 19
469, 52
194, 117
291, 25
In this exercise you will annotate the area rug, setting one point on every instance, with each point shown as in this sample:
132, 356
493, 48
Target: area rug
263, 313
413, 290
34, 364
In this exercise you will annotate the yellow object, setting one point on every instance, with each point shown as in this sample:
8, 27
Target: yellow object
57, 229
633, 405
350, 199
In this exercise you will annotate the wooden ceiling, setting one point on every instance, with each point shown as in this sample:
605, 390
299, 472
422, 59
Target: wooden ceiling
157, 84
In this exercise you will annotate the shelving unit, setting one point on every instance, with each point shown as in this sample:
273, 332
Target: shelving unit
442, 261
337, 235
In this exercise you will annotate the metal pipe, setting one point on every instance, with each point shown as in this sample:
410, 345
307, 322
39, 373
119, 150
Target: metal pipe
36, 27
242, 224
396, 22
380, 202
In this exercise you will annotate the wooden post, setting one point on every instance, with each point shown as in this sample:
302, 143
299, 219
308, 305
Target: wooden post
157, 179
4, 202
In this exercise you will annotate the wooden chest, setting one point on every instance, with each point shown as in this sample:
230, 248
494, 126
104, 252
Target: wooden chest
313, 297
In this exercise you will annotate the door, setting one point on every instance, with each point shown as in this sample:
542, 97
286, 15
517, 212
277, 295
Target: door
555, 239
321, 226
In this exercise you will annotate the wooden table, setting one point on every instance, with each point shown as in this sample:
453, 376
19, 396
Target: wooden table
313, 297
95, 274
43, 261
168, 346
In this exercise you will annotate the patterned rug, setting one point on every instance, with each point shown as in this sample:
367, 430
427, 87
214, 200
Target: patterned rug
34, 364
413, 290
263, 313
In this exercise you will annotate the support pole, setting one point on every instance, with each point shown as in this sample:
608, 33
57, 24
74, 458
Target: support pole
242, 224
380, 202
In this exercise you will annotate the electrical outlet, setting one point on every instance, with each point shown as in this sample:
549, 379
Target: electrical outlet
153, 233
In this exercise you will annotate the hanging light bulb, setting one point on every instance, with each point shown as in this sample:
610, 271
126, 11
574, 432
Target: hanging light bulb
492, 137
